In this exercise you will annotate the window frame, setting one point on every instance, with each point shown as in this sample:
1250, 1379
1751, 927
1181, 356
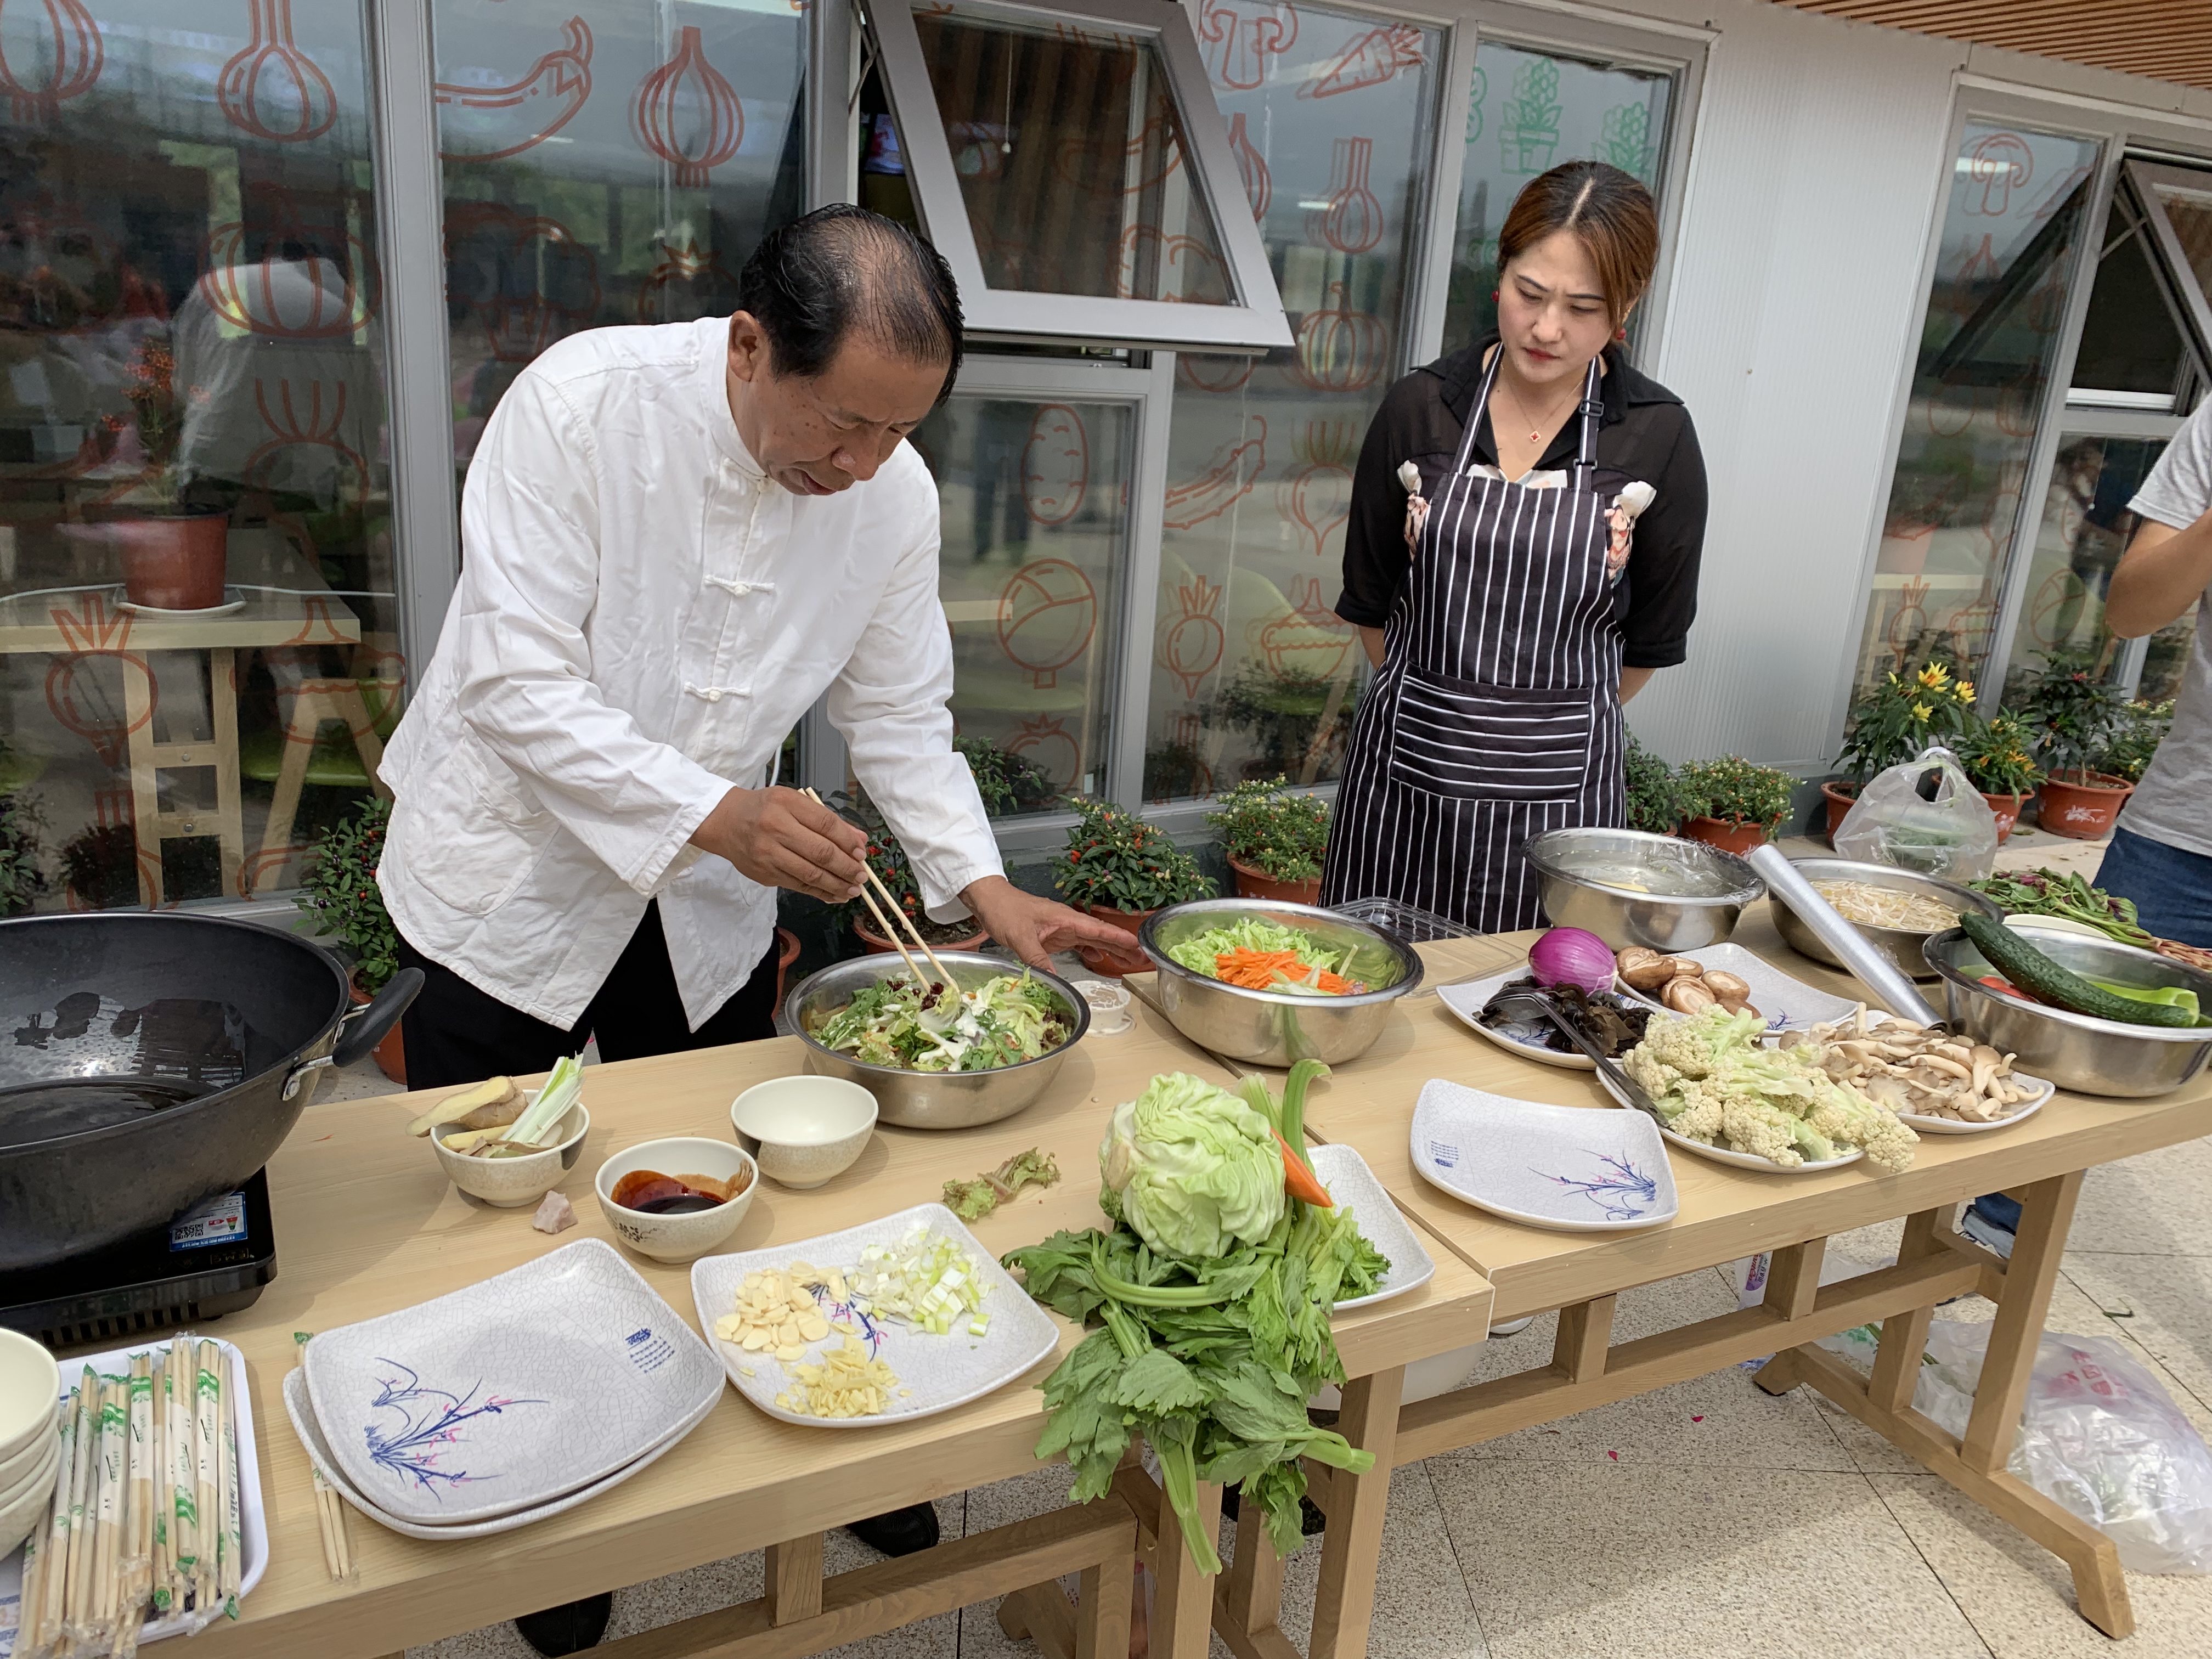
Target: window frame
1254, 322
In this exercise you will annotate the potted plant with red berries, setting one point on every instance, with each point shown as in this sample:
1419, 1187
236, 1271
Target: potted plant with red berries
174, 554
1121, 869
339, 893
1274, 840
1733, 805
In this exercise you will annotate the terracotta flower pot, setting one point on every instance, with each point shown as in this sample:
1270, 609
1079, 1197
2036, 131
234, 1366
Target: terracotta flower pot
878, 945
1257, 883
2083, 805
390, 1057
1840, 798
1729, 834
2006, 810
1112, 962
175, 563
786, 953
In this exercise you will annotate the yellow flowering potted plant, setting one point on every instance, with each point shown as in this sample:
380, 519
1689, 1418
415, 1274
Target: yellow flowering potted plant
1997, 756
1894, 721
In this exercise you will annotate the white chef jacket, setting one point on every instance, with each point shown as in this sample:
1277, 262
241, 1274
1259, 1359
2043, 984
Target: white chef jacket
642, 615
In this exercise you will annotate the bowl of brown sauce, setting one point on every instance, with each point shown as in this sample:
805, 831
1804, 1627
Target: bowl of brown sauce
677, 1199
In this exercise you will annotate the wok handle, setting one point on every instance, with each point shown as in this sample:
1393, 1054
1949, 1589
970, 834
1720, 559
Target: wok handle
370, 1023
1855, 951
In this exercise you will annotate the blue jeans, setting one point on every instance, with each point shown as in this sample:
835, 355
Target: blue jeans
2172, 887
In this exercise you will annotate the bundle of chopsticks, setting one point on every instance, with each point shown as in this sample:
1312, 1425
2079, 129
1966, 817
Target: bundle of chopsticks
145, 1518
330, 1508
891, 932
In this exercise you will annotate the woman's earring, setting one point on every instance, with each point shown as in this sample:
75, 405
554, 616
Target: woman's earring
1620, 333
1493, 294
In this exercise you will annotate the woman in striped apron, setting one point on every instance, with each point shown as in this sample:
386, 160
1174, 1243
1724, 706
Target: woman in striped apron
1496, 709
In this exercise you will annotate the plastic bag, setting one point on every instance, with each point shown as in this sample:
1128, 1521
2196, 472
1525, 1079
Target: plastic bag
2100, 1437
1922, 815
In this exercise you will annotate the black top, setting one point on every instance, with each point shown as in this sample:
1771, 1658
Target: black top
1646, 437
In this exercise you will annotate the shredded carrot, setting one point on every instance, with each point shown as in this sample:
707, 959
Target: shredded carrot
1263, 970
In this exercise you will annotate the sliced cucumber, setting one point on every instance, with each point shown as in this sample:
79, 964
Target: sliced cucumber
2011, 955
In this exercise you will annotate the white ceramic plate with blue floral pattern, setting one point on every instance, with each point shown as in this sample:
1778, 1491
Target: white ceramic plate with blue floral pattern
1351, 1183
934, 1373
509, 1394
301, 1410
1571, 1169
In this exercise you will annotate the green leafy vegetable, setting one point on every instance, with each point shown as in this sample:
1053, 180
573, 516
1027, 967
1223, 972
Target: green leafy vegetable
2069, 894
1198, 952
1212, 1357
1003, 1022
971, 1200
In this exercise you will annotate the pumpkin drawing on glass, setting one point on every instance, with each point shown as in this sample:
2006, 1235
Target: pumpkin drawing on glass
1056, 465
489, 123
290, 280
272, 89
1046, 613
688, 115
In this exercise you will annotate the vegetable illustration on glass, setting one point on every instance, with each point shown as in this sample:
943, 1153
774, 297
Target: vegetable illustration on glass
1210, 1292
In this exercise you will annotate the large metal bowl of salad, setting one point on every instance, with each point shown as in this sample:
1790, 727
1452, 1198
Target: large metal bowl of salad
949, 1058
1270, 983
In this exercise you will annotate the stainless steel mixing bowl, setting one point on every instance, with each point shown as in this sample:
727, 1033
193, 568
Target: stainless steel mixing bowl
1273, 1028
1902, 946
2094, 1056
1695, 893
931, 1100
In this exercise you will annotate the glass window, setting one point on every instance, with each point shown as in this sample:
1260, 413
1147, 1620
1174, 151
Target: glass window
2084, 528
1988, 345
1034, 521
198, 635
605, 162
2132, 343
1529, 111
1329, 118
1077, 170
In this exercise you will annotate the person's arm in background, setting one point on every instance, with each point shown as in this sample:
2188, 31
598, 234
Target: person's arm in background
2159, 577
1375, 556
1662, 566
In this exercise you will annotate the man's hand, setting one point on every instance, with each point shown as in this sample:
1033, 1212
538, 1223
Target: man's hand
782, 839
1033, 927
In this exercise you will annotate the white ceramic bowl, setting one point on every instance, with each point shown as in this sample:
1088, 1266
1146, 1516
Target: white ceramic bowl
29, 1503
30, 1383
511, 1183
677, 1238
37, 1472
804, 1130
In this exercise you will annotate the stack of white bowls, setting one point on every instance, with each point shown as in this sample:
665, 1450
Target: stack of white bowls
30, 1436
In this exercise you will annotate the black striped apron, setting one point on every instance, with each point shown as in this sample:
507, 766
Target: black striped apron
1496, 715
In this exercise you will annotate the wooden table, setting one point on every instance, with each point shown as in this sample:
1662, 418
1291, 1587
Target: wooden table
366, 1223
286, 603
1728, 1213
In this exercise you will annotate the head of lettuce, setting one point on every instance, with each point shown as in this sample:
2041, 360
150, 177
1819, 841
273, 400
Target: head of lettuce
1194, 1171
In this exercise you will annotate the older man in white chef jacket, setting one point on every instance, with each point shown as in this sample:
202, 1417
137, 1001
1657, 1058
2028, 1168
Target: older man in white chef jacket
676, 540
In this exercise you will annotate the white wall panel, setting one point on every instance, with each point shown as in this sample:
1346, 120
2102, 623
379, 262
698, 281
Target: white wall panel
1817, 154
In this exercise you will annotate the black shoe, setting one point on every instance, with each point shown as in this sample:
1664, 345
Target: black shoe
569, 1628
902, 1532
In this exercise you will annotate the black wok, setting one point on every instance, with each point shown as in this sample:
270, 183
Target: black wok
147, 1061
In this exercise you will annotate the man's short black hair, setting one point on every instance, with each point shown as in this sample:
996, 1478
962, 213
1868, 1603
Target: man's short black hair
811, 283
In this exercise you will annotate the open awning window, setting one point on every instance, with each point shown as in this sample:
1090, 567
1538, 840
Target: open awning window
1071, 164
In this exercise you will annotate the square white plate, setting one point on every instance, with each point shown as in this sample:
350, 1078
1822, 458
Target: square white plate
252, 1518
1467, 1001
936, 1373
300, 1409
501, 1397
1571, 1169
1786, 1003
1354, 1186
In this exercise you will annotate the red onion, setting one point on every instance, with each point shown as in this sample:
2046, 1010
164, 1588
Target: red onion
1572, 955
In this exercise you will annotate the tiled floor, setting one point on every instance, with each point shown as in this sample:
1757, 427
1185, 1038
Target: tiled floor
1705, 1521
